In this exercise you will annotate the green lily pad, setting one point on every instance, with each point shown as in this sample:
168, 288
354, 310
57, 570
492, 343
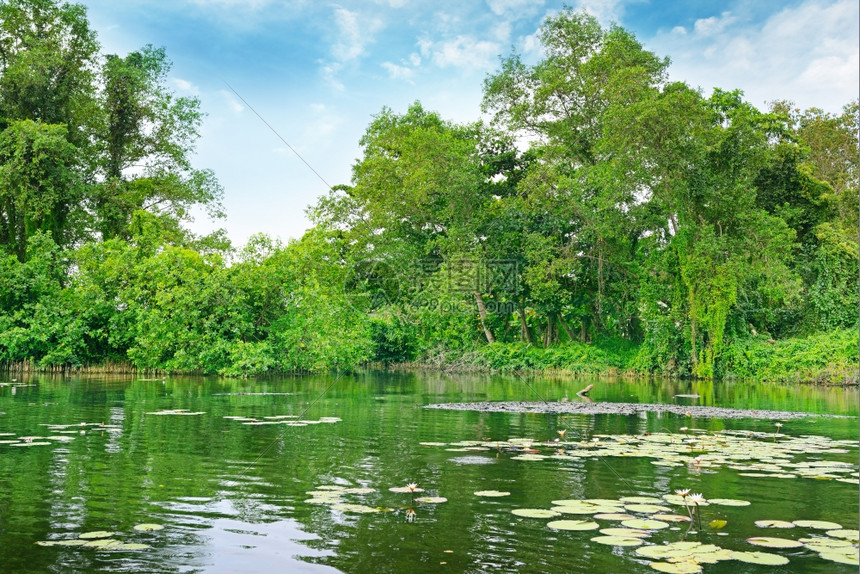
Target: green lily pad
824, 544
614, 516
405, 489
355, 508
771, 542
728, 502
845, 533
646, 508
535, 513
492, 493
717, 524
817, 524
639, 500
148, 527
670, 517
842, 556
764, 558
573, 525
618, 540
96, 534
74, 542
676, 567
644, 524
432, 499
625, 532
103, 543
774, 524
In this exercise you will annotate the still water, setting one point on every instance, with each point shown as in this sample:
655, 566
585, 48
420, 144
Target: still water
231, 497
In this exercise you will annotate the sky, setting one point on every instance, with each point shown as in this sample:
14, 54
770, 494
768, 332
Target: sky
317, 72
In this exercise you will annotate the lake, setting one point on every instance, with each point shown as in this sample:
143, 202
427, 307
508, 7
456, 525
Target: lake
234, 482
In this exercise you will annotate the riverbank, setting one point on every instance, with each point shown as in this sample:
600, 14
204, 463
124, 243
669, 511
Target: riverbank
823, 358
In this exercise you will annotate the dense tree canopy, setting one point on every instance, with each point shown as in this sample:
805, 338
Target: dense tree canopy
604, 207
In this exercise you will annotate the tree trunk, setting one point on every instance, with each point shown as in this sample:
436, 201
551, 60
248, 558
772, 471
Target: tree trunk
547, 337
525, 334
482, 312
566, 328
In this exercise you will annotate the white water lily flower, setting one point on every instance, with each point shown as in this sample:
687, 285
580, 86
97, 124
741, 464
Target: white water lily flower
697, 498
682, 492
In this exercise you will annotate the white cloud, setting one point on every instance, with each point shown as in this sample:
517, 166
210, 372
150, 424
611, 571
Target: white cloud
232, 102
502, 31
329, 73
517, 8
463, 52
414, 59
680, 30
354, 33
806, 53
397, 72
185, 86
714, 24
252, 4
391, 3
606, 11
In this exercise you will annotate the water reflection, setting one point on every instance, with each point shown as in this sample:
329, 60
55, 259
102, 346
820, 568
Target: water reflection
233, 497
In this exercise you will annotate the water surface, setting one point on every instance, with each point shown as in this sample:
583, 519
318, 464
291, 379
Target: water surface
232, 496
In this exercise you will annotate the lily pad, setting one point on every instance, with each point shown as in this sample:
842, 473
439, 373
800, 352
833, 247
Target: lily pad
573, 525
817, 524
103, 543
774, 524
640, 500
644, 524
148, 527
764, 558
728, 502
845, 533
355, 508
492, 493
842, 556
96, 534
625, 532
618, 540
646, 508
670, 517
771, 542
405, 489
676, 567
535, 513
614, 516
432, 499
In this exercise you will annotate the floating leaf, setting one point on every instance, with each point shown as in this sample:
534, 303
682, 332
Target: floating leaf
717, 524
842, 556
640, 500
642, 524
676, 567
817, 524
614, 516
618, 540
728, 502
535, 513
148, 527
492, 493
646, 508
771, 542
774, 524
96, 534
432, 499
670, 517
355, 508
845, 533
103, 543
764, 558
405, 489
573, 525
625, 532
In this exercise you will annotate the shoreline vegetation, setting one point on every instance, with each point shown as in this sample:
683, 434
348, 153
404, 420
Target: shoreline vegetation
605, 220
823, 359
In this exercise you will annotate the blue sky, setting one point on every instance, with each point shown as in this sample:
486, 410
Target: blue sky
318, 71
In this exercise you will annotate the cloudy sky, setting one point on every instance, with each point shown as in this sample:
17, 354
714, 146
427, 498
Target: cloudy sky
317, 71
